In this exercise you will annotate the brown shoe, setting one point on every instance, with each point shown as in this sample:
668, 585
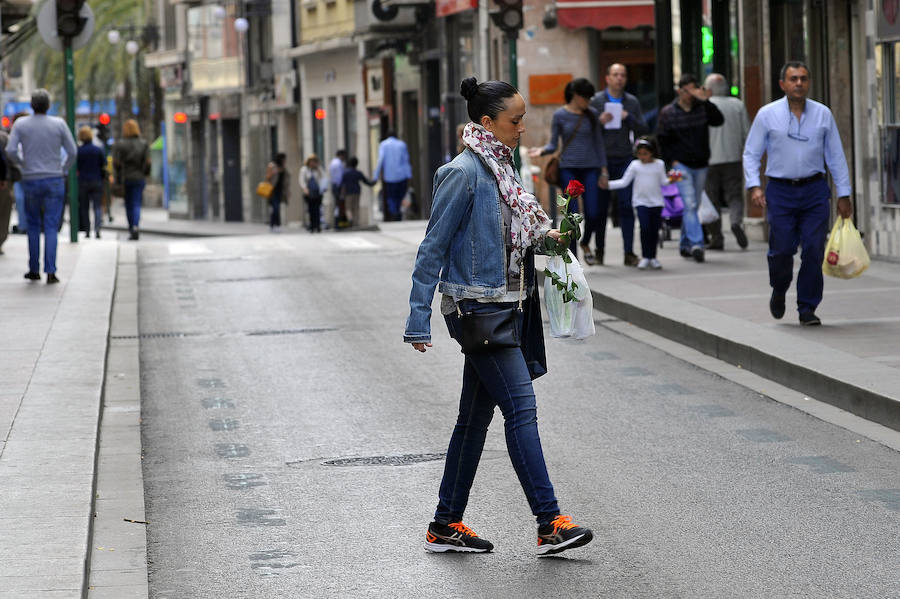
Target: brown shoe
631, 259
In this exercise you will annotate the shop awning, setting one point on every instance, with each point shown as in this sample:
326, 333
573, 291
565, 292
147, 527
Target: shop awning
602, 14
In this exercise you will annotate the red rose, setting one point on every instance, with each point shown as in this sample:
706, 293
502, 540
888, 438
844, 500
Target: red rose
574, 189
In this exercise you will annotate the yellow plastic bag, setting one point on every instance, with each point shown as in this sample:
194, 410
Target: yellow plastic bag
845, 254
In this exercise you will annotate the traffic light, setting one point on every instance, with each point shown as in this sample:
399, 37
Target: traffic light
69, 21
509, 18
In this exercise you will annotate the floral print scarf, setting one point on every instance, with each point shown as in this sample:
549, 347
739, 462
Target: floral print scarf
529, 221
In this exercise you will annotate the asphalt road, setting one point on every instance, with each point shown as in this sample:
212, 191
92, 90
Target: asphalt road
263, 359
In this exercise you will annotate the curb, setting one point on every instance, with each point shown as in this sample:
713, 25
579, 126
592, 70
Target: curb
859, 386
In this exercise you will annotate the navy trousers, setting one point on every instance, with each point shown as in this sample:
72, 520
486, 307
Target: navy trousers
798, 215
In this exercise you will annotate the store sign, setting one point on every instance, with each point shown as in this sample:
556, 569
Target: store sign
375, 86
888, 19
284, 89
442, 8
216, 74
548, 89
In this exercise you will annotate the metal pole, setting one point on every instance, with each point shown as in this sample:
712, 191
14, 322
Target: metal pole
165, 164
514, 81
70, 119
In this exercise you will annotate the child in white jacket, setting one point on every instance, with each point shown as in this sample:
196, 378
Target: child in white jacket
648, 175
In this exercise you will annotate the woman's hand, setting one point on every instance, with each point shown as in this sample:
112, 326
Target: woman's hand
535, 152
558, 237
421, 346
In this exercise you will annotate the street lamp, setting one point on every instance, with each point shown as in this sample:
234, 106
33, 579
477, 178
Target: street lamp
132, 47
241, 25
113, 37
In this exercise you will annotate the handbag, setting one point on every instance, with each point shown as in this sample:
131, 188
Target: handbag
264, 189
482, 332
551, 169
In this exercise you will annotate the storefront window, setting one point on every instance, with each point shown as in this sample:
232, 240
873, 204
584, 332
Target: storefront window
887, 71
350, 124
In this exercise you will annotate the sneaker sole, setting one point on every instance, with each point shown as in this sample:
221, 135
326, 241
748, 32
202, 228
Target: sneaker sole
441, 548
570, 544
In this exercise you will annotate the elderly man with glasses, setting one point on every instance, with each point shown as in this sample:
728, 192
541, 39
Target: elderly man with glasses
800, 138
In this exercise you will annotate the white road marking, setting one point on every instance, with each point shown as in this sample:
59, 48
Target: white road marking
184, 248
352, 242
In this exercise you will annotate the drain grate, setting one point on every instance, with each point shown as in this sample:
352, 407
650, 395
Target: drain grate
290, 331
387, 460
262, 333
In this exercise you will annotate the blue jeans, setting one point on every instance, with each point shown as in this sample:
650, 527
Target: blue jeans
19, 194
626, 211
498, 378
592, 207
651, 219
44, 199
134, 192
90, 193
690, 187
393, 198
798, 215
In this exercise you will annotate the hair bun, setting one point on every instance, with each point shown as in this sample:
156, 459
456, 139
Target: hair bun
468, 88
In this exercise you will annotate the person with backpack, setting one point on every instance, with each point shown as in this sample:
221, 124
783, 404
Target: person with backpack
312, 184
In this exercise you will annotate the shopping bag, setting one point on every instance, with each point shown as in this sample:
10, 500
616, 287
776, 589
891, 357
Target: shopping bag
562, 314
264, 189
707, 213
573, 318
584, 308
845, 255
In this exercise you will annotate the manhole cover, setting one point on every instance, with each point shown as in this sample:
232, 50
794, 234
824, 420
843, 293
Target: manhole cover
387, 460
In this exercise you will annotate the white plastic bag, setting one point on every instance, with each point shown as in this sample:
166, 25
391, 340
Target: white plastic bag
573, 318
845, 255
707, 213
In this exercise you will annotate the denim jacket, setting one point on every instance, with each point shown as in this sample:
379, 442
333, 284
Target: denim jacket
464, 252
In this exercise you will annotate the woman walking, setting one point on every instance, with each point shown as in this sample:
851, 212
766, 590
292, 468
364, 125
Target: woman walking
583, 158
312, 184
276, 174
478, 252
91, 170
131, 161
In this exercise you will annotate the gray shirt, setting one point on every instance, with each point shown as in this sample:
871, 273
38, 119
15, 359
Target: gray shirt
726, 143
40, 137
620, 142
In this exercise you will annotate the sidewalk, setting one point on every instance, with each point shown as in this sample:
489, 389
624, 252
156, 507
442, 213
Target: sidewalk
52, 366
721, 308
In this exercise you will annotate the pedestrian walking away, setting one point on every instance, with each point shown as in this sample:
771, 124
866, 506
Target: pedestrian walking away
725, 178
799, 138
312, 184
91, 166
350, 189
623, 121
6, 192
36, 146
394, 170
647, 174
582, 158
484, 268
15, 175
276, 175
683, 135
131, 162
336, 172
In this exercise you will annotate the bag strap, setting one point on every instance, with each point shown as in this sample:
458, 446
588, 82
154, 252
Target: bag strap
572, 136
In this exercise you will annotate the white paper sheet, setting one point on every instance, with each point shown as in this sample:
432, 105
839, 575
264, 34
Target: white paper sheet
615, 109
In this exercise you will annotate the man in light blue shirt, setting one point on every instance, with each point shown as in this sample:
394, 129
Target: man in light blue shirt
800, 138
47, 152
395, 171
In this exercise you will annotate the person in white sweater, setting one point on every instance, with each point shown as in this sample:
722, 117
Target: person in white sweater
647, 174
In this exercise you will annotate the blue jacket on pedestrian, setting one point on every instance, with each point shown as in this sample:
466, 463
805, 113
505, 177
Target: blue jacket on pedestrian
463, 253
91, 163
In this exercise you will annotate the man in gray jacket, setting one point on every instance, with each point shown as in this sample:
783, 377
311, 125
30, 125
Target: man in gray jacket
725, 179
41, 138
620, 131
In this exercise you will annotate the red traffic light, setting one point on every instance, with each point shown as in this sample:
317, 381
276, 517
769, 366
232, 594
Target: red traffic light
6, 122
180, 117
104, 119
320, 114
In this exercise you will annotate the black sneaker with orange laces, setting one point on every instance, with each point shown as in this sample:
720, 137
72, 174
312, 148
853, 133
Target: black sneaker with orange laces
455, 536
562, 534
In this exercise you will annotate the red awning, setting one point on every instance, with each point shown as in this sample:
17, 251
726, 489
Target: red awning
601, 14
